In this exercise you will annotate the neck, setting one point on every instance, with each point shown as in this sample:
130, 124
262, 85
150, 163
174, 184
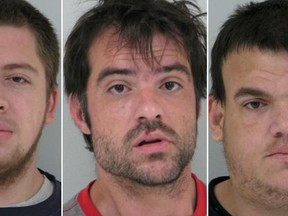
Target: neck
124, 197
238, 205
22, 187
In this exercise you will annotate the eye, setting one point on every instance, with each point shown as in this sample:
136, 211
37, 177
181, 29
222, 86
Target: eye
18, 79
118, 89
171, 86
253, 105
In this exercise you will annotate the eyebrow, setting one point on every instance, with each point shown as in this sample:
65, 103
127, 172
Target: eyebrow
174, 67
113, 71
248, 91
25, 66
110, 71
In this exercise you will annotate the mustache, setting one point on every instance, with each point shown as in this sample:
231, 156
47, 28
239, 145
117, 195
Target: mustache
149, 126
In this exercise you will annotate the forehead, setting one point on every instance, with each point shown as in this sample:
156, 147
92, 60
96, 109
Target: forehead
10, 35
109, 47
255, 68
18, 45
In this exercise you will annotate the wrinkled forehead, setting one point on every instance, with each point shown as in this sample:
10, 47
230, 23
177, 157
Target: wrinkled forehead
150, 50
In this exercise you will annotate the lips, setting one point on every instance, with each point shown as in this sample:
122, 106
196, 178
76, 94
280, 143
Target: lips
150, 139
276, 153
147, 142
5, 130
283, 150
5, 127
280, 153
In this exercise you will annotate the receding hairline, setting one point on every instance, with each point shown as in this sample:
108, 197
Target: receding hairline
116, 40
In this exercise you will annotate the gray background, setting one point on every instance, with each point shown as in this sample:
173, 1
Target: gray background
49, 152
79, 164
219, 10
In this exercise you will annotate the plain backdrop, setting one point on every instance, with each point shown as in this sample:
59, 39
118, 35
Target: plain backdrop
79, 164
219, 11
49, 149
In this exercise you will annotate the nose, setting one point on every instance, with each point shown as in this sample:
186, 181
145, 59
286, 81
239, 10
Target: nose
148, 106
279, 126
3, 102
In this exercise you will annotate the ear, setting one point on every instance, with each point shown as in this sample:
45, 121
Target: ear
51, 105
77, 114
216, 118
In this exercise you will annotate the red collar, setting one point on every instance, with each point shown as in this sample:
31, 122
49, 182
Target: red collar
89, 209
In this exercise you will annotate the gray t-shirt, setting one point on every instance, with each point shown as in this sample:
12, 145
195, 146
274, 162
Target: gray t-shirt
44, 193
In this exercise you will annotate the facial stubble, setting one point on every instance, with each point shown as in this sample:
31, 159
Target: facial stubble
117, 162
248, 185
12, 170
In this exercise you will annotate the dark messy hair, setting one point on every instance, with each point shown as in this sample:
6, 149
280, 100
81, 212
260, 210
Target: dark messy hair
263, 25
136, 22
20, 13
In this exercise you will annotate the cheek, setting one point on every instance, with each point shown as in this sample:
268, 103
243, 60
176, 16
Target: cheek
185, 108
243, 137
182, 116
30, 106
28, 113
36, 113
105, 117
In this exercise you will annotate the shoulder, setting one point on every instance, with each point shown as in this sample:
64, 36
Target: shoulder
53, 203
50, 177
56, 183
215, 208
49, 207
81, 204
72, 207
201, 197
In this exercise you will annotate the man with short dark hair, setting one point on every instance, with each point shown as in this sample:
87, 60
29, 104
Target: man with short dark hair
135, 72
29, 61
249, 111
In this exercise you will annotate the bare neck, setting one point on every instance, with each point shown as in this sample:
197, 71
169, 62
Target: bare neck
110, 198
23, 187
237, 205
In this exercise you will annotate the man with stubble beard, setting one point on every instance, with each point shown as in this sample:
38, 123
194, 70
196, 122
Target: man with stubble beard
248, 111
135, 72
29, 61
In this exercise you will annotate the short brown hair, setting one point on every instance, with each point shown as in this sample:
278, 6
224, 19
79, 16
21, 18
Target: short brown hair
20, 13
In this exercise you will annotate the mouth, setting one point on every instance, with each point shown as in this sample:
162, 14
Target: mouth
5, 134
152, 143
148, 142
281, 155
150, 139
5, 131
282, 151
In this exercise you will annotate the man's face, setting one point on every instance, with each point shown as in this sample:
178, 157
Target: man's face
255, 124
143, 118
24, 105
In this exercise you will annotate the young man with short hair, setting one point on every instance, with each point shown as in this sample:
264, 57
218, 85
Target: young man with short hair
135, 72
248, 111
29, 61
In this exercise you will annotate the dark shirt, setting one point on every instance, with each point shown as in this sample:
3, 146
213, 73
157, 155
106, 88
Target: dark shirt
49, 207
215, 208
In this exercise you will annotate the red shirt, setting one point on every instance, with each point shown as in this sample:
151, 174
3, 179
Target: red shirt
89, 209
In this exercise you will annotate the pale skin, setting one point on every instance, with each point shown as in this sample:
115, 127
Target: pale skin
253, 125
24, 108
143, 96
